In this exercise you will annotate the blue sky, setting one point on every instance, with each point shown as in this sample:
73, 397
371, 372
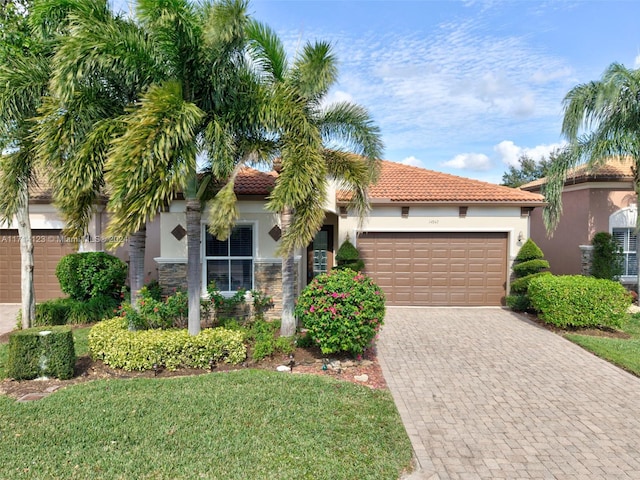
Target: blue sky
463, 87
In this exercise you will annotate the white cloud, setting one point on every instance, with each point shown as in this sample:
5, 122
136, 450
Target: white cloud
470, 161
337, 96
509, 152
413, 161
637, 62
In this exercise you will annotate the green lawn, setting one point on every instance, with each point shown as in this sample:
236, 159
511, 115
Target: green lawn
623, 352
247, 424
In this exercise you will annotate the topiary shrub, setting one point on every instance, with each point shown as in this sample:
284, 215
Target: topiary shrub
118, 347
578, 301
529, 264
606, 261
342, 310
348, 256
90, 274
39, 352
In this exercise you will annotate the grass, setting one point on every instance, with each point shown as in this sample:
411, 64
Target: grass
622, 352
244, 424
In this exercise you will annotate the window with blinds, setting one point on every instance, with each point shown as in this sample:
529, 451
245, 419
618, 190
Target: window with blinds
627, 239
229, 263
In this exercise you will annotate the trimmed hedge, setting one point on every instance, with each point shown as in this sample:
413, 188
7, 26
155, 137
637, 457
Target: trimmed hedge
519, 285
41, 352
530, 266
348, 256
578, 301
118, 347
90, 274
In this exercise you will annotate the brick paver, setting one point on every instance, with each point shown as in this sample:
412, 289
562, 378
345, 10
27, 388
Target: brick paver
484, 393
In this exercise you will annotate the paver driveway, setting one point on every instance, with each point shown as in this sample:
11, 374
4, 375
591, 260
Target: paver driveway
484, 393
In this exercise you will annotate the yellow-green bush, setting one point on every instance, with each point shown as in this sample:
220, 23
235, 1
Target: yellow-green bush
118, 347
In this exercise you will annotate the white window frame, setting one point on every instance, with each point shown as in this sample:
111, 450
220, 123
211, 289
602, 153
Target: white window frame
205, 258
628, 233
625, 220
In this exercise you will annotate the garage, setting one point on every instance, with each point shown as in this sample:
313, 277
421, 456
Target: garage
437, 268
48, 249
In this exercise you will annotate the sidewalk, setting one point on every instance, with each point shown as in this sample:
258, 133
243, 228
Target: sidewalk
8, 312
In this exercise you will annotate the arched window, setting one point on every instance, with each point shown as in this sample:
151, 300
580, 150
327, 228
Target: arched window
622, 225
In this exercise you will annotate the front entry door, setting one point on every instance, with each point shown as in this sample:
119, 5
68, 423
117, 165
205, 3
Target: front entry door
320, 253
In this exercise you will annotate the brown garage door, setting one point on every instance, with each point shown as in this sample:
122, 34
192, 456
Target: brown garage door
47, 252
419, 268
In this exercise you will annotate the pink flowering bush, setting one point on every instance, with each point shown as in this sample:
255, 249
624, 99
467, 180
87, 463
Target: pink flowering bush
342, 310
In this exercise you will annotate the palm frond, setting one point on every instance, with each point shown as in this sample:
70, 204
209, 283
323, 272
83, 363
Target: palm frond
153, 159
307, 220
267, 51
15, 175
315, 71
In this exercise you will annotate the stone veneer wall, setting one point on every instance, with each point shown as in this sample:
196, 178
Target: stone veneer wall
171, 277
267, 279
586, 259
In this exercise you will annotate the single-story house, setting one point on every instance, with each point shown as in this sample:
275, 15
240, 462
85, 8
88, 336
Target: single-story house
430, 239
602, 200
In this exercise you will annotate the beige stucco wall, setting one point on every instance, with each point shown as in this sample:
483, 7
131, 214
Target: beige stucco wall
442, 219
250, 212
586, 211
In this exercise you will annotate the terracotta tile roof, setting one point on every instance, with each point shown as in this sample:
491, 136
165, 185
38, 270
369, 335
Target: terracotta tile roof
615, 169
404, 183
254, 182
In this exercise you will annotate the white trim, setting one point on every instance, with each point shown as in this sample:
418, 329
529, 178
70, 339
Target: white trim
436, 230
162, 260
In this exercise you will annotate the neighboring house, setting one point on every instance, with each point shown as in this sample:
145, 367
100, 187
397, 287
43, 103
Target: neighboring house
50, 246
430, 239
602, 200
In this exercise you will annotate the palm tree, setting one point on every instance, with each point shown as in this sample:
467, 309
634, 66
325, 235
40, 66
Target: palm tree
316, 143
200, 101
83, 111
24, 71
601, 121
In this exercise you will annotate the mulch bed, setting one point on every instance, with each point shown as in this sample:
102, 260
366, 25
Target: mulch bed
592, 332
307, 361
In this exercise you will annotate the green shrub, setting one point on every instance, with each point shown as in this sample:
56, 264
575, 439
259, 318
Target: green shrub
112, 342
263, 348
227, 307
152, 313
530, 266
578, 301
348, 257
52, 312
90, 274
41, 352
67, 311
342, 310
529, 251
607, 257
518, 303
519, 285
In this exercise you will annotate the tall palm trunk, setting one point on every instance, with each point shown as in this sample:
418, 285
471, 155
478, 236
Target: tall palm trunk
288, 325
194, 266
26, 260
136, 263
